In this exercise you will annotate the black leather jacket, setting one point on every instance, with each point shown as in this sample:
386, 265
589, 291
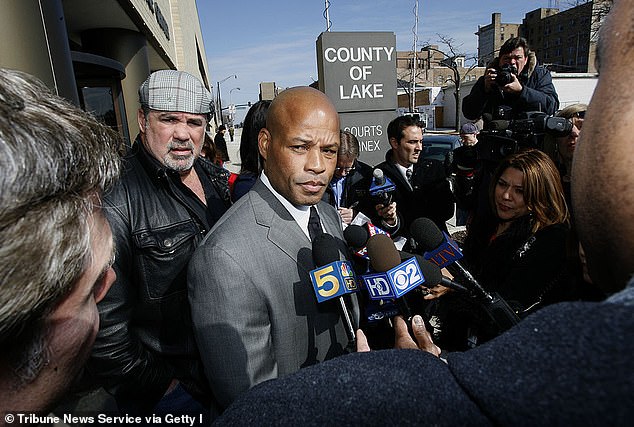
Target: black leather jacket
145, 338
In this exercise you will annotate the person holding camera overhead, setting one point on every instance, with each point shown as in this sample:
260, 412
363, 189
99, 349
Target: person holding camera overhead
515, 80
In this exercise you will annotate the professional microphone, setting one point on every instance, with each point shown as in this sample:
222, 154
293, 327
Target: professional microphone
433, 274
381, 187
443, 251
333, 278
356, 236
393, 278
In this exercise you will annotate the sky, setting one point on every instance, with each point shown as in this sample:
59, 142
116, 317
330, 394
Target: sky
274, 40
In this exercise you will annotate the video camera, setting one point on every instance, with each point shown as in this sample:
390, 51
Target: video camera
501, 136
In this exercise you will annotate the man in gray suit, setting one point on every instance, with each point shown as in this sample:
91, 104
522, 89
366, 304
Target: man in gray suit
254, 310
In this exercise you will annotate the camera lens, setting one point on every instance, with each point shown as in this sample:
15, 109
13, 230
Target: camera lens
505, 75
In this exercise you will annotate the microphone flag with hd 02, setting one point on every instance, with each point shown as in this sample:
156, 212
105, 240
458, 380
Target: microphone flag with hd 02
393, 278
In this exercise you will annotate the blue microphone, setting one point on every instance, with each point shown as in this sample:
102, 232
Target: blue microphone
381, 187
443, 251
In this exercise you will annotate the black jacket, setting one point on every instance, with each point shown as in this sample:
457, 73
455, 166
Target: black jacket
527, 270
538, 373
356, 188
356, 193
145, 338
538, 94
431, 196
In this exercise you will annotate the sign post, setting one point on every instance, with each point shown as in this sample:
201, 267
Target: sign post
357, 70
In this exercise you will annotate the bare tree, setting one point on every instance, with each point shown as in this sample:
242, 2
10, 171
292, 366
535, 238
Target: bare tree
451, 52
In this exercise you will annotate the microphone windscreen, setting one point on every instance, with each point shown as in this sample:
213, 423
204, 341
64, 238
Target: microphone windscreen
431, 271
426, 233
378, 176
356, 236
325, 250
382, 252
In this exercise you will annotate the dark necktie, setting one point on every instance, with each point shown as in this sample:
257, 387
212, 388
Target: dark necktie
408, 174
314, 226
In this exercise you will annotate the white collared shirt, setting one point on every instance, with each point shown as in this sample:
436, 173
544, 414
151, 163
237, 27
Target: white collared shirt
299, 213
403, 170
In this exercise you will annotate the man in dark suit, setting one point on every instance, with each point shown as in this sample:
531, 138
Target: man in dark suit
255, 313
422, 188
567, 364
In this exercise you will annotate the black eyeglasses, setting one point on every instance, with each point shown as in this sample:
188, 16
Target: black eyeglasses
344, 169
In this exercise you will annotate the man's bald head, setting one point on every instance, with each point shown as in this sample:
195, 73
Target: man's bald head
299, 144
296, 101
603, 166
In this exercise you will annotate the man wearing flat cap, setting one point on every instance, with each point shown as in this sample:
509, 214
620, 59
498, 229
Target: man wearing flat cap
166, 201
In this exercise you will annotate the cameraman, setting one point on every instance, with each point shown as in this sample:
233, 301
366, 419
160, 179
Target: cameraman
515, 80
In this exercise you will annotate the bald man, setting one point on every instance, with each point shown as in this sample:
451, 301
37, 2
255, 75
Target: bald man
567, 364
255, 313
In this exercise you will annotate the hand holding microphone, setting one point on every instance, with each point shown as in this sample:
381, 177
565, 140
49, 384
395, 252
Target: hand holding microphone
445, 253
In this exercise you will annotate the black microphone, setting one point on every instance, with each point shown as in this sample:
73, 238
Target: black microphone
333, 278
356, 236
446, 254
443, 252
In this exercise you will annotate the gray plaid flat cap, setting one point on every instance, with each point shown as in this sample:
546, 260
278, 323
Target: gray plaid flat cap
172, 90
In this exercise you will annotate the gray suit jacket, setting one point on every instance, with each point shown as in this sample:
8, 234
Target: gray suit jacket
254, 310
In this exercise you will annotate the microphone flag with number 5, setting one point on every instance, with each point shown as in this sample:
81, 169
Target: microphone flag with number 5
332, 278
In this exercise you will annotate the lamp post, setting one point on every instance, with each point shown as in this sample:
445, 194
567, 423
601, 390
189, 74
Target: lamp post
235, 76
235, 88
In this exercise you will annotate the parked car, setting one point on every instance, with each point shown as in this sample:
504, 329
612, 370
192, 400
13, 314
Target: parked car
437, 145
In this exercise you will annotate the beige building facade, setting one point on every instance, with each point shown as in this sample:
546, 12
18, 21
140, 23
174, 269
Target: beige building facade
96, 53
